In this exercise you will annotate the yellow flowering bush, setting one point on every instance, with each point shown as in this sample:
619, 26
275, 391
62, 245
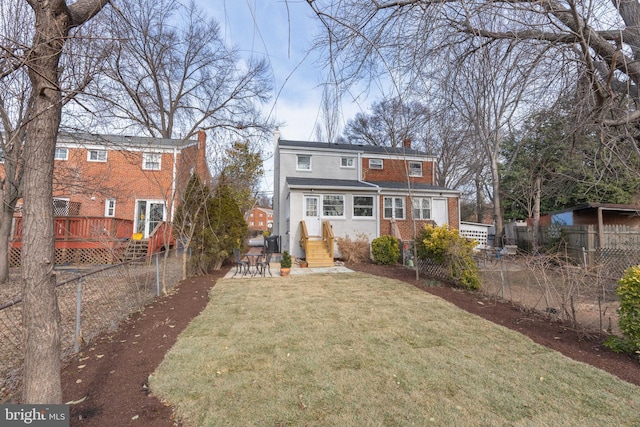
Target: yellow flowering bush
445, 246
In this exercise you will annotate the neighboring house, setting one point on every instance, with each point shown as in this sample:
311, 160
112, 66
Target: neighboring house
260, 219
355, 190
136, 180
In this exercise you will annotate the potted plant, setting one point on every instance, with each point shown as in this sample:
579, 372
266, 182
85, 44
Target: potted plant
285, 264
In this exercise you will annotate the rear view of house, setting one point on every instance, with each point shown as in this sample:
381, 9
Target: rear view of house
325, 190
109, 188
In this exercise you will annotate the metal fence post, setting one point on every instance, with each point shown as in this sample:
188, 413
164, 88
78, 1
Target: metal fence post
158, 274
78, 338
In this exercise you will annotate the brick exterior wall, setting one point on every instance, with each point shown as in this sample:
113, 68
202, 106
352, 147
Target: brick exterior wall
406, 225
122, 178
257, 216
396, 171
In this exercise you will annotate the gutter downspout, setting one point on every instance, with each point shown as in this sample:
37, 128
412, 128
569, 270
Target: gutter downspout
359, 171
173, 182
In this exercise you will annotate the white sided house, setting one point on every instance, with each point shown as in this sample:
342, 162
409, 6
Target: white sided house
323, 191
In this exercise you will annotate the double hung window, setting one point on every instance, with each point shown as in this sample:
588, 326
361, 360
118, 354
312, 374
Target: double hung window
421, 208
394, 207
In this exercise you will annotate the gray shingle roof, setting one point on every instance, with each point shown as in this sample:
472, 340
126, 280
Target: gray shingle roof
327, 183
123, 140
353, 147
363, 185
389, 185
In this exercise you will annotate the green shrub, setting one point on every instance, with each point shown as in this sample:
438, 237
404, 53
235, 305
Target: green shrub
285, 262
445, 246
385, 250
628, 313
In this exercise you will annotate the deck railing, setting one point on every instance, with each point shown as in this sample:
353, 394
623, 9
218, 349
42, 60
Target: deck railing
84, 228
100, 229
304, 236
327, 236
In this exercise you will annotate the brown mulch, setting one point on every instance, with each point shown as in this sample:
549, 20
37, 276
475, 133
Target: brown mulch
109, 377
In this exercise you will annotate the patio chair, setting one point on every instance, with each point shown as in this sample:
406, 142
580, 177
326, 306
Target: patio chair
263, 266
240, 264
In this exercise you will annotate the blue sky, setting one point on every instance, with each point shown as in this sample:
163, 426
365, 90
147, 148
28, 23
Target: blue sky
282, 32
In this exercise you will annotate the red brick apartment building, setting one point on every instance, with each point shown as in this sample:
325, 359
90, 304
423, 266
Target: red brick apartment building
260, 219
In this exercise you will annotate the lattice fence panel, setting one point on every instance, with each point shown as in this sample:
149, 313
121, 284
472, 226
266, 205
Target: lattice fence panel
614, 262
435, 270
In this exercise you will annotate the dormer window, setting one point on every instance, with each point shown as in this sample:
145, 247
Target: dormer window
303, 163
415, 168
375, 164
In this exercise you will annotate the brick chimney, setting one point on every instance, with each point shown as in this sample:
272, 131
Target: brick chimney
406, 143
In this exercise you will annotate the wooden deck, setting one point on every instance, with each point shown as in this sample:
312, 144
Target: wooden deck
94, 240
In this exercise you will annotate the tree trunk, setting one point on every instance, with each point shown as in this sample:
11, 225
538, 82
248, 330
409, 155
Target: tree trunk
41, 317
497, 209
536, 215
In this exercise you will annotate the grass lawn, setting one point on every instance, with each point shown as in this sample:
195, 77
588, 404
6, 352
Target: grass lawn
359, 350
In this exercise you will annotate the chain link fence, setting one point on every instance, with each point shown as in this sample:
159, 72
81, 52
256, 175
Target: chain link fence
585, 296
90, 300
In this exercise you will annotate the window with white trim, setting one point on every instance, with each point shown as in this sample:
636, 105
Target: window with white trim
97, 156
61, 153
347, 162
394, 207
110, 208
376, 164
333, 205
415, 168
303, 163
151, 161
421, 208
363, 206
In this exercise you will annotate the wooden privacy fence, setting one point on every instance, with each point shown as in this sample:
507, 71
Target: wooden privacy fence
615, 247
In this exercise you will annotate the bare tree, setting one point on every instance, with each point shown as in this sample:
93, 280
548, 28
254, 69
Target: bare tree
599, 39
14, 94
391, 122
591, 48
328, 129
53, 22
489, 91
172, 74
78, 69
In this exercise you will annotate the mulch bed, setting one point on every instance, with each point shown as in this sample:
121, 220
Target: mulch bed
108, 379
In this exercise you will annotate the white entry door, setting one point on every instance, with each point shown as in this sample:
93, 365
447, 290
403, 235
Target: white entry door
440, 212
312, 215
149, 213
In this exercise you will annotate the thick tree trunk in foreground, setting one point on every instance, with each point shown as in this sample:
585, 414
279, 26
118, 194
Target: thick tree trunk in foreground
41, 315
41, 318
